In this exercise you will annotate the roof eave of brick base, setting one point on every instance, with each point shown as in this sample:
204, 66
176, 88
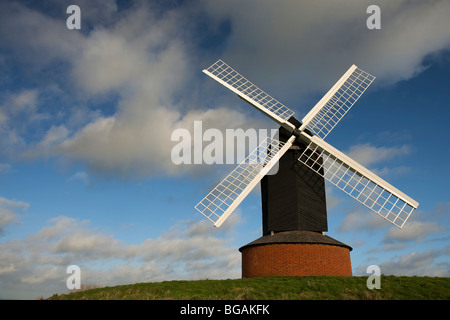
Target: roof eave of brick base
300, 237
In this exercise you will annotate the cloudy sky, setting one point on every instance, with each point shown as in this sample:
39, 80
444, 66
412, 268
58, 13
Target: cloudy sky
86, 117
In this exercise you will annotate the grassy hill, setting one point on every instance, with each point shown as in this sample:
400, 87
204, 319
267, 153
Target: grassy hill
274, 288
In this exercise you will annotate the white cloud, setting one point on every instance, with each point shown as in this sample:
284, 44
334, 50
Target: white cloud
149, 71
80, 176
189, 250
18, 111
372, 157
8, 212
5, 168
147, 61
6, 217
425, 263
34, 37
418, 263
392, 171
421, 226
24, 101
367, 154
413, 231
292, 40
45, 147
360, 220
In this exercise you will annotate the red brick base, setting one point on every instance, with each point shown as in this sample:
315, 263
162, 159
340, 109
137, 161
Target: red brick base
295, 259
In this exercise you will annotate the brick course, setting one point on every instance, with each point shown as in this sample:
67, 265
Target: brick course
295, 259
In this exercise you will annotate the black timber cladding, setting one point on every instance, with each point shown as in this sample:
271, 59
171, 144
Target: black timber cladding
293, 198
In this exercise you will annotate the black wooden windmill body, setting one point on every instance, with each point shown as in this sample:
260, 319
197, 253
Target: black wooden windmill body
294, 197
293, 200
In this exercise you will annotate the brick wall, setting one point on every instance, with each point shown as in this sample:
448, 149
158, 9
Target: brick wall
295, 259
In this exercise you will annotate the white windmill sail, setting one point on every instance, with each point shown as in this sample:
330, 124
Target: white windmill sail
228, 194
230, 78
357, 181
330, 163
337, 102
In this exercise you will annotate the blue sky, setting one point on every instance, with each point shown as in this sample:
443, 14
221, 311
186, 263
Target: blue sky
86, 116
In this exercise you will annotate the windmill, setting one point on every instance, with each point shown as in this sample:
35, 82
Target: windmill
293, 200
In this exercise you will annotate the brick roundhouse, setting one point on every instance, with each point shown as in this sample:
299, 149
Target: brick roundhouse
296, 253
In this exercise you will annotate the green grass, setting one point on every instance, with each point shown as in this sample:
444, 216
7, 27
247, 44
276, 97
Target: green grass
274, 288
